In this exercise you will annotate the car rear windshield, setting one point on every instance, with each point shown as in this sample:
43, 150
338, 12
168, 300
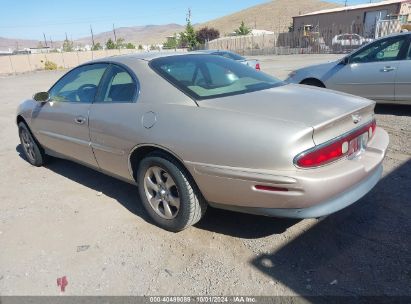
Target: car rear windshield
207, 76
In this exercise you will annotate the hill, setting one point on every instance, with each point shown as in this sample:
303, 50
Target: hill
274, 16
149, 34
6, 43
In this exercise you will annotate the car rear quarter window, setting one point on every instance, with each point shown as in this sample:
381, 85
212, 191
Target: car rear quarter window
210, 76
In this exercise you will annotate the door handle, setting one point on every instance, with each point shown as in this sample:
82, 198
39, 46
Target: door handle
80, 120
388, 69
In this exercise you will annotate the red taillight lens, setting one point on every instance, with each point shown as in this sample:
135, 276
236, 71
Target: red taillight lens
257, 67
334, 149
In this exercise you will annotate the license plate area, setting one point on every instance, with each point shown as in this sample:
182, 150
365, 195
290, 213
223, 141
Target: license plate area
357, 145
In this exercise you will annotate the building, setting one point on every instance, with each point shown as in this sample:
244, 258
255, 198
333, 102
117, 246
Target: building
363, 19
40, 50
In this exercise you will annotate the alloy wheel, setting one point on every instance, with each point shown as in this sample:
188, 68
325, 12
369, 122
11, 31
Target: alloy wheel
162, 192
28, 144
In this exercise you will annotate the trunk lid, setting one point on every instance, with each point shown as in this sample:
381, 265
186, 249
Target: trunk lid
329, 113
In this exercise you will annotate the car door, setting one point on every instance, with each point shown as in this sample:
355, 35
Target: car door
61, 124
403, 79
115, 120
371, 71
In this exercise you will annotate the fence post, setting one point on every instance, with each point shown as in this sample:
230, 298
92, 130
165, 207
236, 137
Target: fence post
28, 58
62, 58
11, 65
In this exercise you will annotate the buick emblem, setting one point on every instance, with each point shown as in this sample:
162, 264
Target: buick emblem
356, 118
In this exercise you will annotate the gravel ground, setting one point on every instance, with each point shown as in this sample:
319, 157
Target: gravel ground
67, 220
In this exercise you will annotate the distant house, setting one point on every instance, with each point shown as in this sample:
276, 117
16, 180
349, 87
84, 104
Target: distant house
360, 19
40, 50
254, 32
6, 52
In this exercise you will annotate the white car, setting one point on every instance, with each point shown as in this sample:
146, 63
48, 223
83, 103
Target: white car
379, 71
348, 42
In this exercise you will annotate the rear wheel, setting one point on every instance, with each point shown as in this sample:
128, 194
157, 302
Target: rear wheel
168, 193
31, 148
313, 82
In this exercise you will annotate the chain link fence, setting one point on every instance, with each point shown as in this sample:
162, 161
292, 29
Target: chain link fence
308, 40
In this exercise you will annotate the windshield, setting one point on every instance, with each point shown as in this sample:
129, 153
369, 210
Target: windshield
208, 76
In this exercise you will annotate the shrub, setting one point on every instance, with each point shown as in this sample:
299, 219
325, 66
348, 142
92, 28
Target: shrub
50, 65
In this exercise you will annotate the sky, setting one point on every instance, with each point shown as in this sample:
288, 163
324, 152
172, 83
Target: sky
30, 19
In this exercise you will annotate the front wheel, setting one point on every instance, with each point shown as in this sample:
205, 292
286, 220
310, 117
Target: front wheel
32, 150
168, 193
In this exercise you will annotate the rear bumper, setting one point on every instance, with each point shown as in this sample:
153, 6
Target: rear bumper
331, 206
311, 193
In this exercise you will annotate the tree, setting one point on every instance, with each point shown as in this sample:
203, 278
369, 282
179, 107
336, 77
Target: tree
190, 35
206, 34
130, 46
243, 30
120, 43
97, 47
140, 47
68, 46
171, 43
110, 45
183, 41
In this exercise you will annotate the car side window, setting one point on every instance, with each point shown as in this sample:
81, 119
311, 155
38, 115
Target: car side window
79, 85
385, 50
118, 86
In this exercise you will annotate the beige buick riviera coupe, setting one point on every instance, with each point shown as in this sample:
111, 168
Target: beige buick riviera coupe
193, 130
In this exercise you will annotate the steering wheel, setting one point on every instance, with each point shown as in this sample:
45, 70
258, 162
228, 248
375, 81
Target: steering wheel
83, 92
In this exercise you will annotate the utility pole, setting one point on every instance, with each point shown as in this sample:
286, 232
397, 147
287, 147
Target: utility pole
115, 37
66, 37
345, 2
45, 40
51, 42
92, 36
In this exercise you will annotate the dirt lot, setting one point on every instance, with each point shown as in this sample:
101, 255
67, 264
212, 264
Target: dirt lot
67, 220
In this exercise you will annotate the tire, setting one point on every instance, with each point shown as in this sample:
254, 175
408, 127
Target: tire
313, 82
32, 150
173, 203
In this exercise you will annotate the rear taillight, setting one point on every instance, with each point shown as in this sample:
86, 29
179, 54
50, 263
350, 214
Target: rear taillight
257, 67
334, 149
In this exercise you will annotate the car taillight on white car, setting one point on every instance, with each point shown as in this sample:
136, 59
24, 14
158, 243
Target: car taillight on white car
257, 66
346, 145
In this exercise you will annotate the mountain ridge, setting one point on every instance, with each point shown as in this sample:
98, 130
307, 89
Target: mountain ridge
275, 15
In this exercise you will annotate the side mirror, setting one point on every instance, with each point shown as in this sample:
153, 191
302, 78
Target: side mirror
345, 60
41, 97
